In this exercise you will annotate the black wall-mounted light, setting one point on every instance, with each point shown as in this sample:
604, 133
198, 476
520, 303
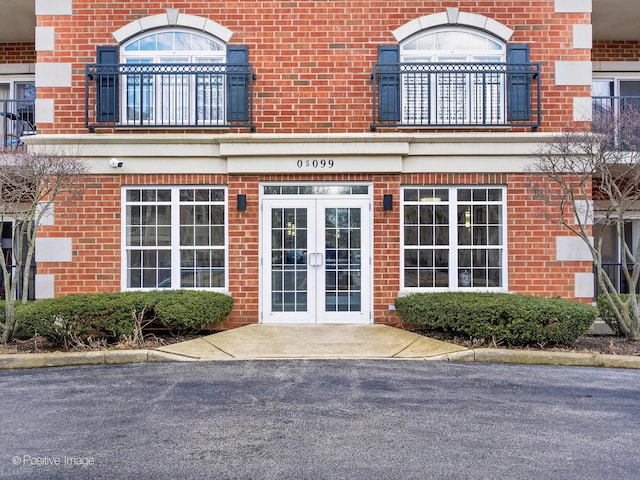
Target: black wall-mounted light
241, 202
387, 202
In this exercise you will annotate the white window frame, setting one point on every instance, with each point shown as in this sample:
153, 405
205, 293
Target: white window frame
14, 81
453, 247
612, 81
168, 115
175, 248
467, 109
615, 80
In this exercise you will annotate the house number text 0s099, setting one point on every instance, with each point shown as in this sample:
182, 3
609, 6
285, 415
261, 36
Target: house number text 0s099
323, 163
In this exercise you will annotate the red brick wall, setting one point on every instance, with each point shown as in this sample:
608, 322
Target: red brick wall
616, 51
313, 59
21, 52
532, 232
94, 224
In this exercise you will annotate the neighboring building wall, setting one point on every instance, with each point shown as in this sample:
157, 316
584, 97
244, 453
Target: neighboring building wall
24, 52
616, 51
313, 59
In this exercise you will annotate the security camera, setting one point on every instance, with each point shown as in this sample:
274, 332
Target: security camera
115, 163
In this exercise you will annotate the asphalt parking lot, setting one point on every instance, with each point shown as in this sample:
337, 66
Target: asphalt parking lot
320, 419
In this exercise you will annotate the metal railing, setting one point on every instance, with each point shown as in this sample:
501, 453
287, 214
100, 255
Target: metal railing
618, 120
614, 105
456, 95
609, 111
169, 96
17, 119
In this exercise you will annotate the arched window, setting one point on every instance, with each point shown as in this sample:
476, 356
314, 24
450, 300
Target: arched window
178, 79
457, 78
453, 44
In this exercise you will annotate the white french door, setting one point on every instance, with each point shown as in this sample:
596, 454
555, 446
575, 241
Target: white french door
316, 260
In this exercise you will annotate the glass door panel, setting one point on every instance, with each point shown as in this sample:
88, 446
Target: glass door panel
287, 287
344, 285
289, 260
343, 271
313, 257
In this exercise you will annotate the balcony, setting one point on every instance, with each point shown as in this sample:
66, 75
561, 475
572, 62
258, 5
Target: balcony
16, 121
608, 108
454, 95
197, 96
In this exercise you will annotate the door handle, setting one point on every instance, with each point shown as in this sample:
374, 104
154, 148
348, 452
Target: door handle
315, 259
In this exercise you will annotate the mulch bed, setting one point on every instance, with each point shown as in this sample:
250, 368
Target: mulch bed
586, 344
604, 344
40, 345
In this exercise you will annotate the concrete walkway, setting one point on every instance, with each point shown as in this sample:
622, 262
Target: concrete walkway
312, 341
316, 342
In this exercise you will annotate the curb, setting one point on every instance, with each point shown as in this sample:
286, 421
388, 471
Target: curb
16, 361
490, 355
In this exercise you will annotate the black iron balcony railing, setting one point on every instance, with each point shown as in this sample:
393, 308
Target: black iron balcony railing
17, 119
616, 275
615, 105
609, 111
169, 96
456, 95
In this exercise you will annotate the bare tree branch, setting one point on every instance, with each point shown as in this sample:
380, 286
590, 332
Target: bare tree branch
590, 181
30, 184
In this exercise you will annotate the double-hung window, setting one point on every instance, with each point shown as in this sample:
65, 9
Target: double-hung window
453, 76
174, 237
454, 238
176, 78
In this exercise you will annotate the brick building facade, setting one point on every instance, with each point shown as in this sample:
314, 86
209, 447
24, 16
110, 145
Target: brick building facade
320, 159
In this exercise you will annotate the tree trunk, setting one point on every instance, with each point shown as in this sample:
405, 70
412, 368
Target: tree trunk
9, 320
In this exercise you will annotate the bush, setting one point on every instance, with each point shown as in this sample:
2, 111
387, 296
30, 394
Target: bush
113, 315
607, 315
189, 309
512, 319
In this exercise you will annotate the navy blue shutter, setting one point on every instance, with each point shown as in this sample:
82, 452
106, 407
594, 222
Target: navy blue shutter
518, 84
389, 83
107, 86
238, 84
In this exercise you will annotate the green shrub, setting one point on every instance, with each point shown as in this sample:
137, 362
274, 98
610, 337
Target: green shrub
113, 315
189, 309
63, 319
512, 319
607, 315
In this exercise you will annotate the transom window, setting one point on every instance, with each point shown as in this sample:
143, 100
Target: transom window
455, 79
316, 190
175, 237
454, 238
176, 93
